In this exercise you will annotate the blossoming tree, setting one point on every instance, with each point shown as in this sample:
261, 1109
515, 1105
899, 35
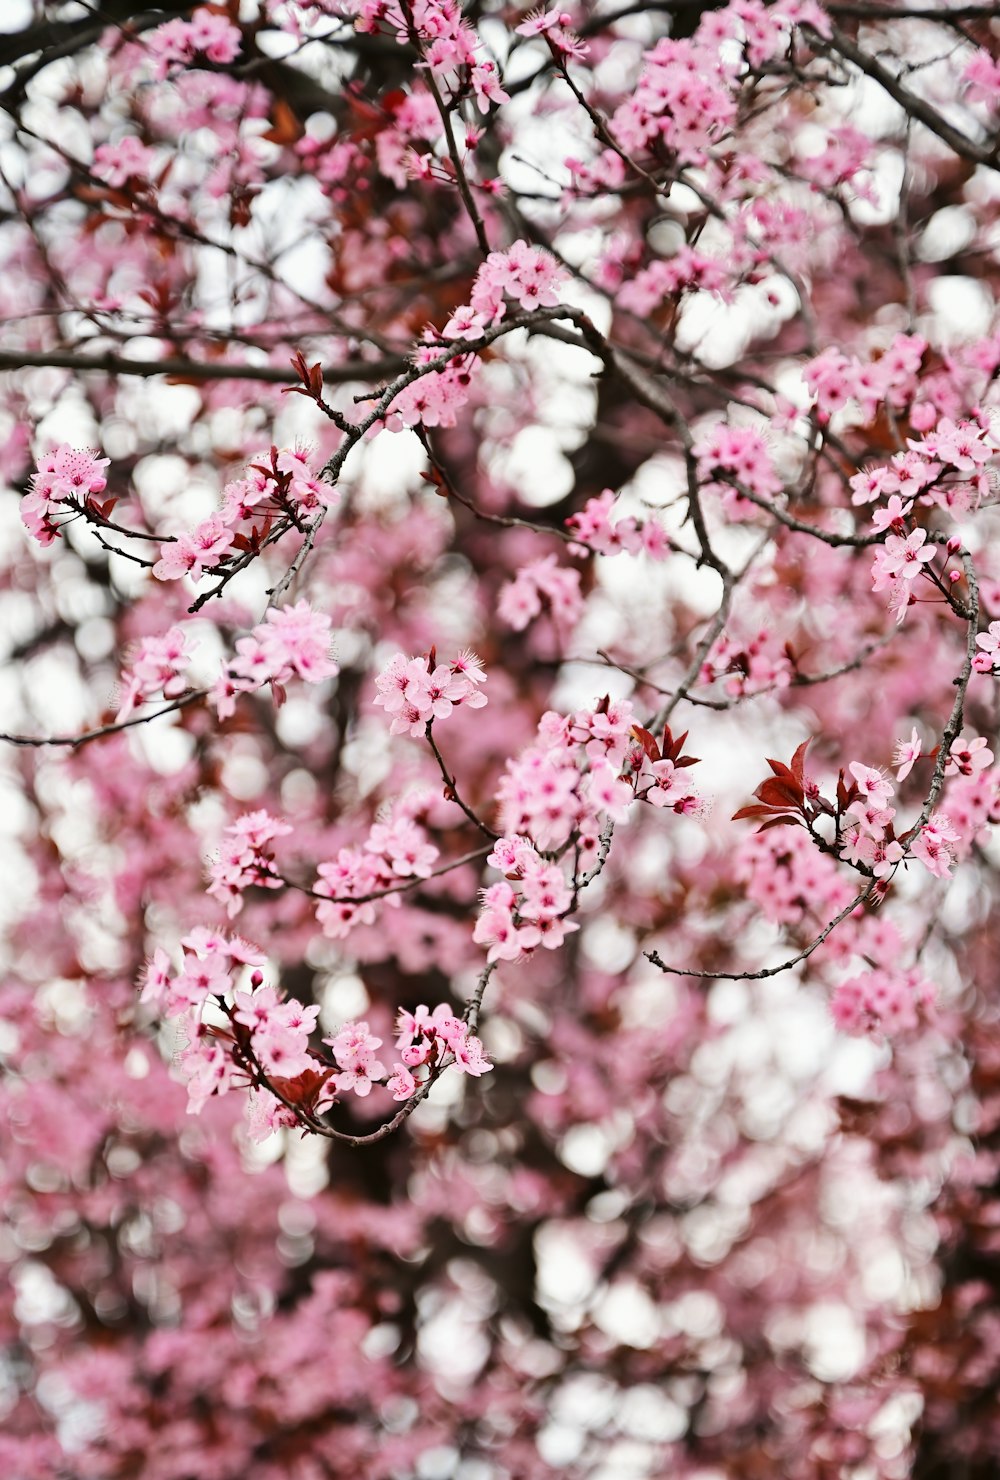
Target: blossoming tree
501, 597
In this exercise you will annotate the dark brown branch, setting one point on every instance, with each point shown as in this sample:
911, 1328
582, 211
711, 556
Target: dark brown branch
766, 971
451, 786
912, 105
73, 741
110, 364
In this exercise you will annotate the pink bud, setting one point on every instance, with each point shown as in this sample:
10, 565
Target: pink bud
256, 979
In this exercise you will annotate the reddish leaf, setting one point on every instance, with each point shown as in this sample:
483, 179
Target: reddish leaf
286, 127
780, 769
843, 794
647, 742
780, 793
799, 760
784, 821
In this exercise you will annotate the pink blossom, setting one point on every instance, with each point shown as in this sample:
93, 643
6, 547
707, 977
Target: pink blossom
892, 516
967, 756
64, 476
543, 584
158, 667
415, 694
907, 752
122, 161
902, 558
245, 859
486, 86
293, 642
737, 454
881, 1001
401, 1085
872, 783
354, 1049
989, 644
932, 846
982, 78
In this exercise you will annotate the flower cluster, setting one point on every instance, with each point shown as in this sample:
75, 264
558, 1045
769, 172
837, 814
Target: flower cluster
279, 1030
762, 30
728, 455
415, 117
749, 666
592, 526
683, 101
687, 270
291, 642
542, 584
417, 691
787, 879
846, 156
554, 26
835, 378
587, 767
904, 477
158, 666
934, 845
447, 41
514, 921
868, 837
881, 1002
255, 1038
865, 824
348, 883
246, 1029
543, 794
209, 961
207, 33
987, 660
429, 1040
964, 447
527, 275
278, 492
66, 479
246, 859
354, 1048
436, 397
128, 158
393, 851
973, 809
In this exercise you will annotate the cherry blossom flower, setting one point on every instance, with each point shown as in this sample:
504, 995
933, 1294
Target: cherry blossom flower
872, 783
66, 476
907, 752
158, 667
902, 559
543, 584
967, 756
988, 642
415, 693
933, 845
245, 859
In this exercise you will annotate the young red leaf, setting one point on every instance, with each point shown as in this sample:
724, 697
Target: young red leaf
647, 742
